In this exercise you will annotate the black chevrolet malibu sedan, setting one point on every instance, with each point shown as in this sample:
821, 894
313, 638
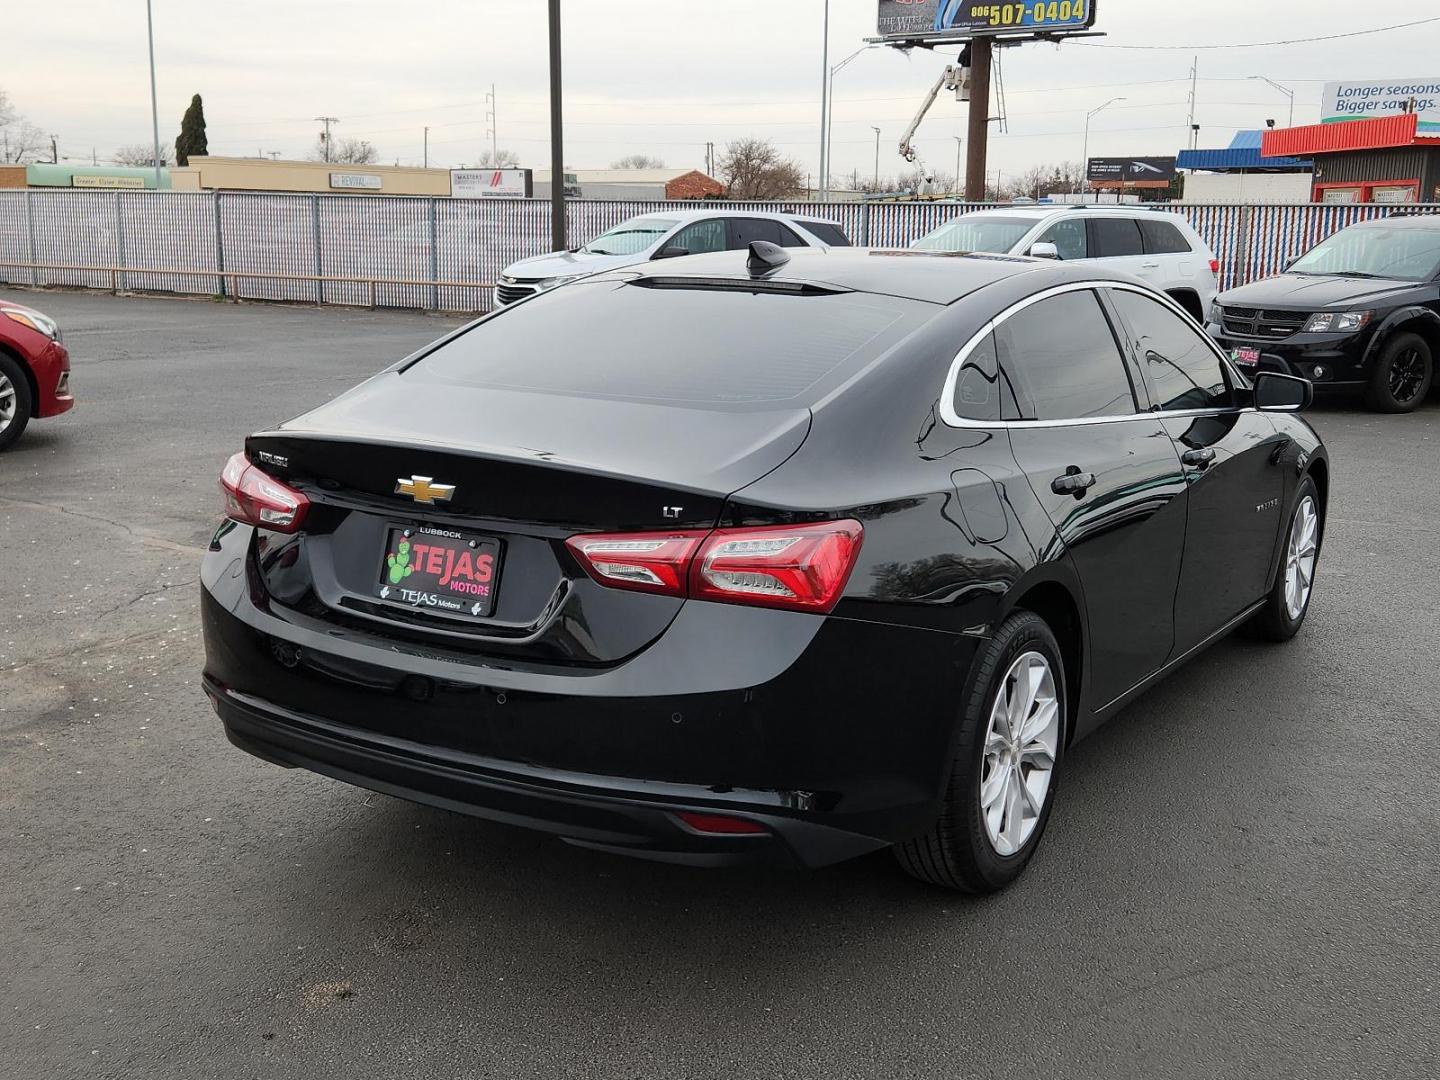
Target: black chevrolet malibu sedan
787, 557
1359, 311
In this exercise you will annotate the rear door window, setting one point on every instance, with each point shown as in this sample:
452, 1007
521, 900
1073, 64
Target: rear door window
1163, 238
743, 231
1115, 238
1063, 360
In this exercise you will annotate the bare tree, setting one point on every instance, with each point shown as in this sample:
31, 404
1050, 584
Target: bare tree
20, 141
941, 182
1040, 180
497, 159
638, 161
754, 169
136, 154
346, 151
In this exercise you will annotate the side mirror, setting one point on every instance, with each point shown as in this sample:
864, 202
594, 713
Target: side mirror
1282, 393
1044, 250
671, 252
1290, 260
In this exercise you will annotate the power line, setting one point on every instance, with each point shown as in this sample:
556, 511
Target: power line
1260, 44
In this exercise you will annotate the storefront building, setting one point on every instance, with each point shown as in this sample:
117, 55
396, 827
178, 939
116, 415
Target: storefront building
1384, 160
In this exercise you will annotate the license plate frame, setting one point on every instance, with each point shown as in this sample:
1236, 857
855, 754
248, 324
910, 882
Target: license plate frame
469, 593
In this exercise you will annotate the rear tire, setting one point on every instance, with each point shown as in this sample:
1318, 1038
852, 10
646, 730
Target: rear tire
969, 847
1402, 375
1286, 606
15, 404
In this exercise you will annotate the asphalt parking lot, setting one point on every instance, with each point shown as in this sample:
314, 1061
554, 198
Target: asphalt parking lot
1242, 877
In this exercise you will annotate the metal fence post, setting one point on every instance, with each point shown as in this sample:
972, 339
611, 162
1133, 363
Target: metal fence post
30, 228
864, 224
120, 241
220, 247
1242, 246
319, 263
434, 263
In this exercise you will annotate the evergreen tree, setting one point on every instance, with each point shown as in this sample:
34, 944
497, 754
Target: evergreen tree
192, 133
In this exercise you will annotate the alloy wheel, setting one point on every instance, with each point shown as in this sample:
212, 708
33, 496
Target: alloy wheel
9, 402
1020, 747
1407, 375
1300, 553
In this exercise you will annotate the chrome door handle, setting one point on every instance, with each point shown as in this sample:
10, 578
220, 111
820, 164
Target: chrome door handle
1073, 483
1200, 459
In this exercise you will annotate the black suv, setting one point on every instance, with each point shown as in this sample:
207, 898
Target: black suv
1359, 311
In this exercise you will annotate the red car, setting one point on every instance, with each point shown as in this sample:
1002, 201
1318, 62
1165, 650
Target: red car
34, 370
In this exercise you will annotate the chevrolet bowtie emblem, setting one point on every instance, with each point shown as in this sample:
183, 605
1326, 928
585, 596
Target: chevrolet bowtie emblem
423, 489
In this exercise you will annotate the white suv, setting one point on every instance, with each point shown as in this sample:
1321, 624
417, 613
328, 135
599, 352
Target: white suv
1157, 246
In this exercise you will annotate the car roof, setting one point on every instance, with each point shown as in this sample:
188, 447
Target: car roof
1404, 219
1049, 209
935, 277
728, 211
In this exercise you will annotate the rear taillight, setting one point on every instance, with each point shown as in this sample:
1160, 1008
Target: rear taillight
798, 567
254, 498
1214, 266
649, 562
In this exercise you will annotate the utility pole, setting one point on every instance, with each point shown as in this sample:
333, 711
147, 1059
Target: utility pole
876, 183
1194, 90
979, 128
327, 121
824, 105
958, 143
557, 139
427, 147
494, 129
54, 152
154, 103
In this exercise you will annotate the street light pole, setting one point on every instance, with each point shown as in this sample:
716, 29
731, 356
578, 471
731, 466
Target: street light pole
557, 140
154, 102
829, 117
1085, 153
876, 182
824, 185
1283, 89
958, 143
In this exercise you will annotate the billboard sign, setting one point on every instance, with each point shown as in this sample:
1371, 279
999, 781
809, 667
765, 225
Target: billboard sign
490, 184
1367, 100
1143, 171
353, 181
960, 19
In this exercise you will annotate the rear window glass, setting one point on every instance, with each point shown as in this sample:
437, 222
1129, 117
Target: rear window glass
830, 234
679, 346
1163, 238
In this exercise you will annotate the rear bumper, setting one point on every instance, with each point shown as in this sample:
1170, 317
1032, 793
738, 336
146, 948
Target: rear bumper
606, 813
835, 734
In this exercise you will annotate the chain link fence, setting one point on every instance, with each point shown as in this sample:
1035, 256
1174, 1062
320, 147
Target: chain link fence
444, 254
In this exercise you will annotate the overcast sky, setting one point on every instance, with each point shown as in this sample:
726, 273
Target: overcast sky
656, 78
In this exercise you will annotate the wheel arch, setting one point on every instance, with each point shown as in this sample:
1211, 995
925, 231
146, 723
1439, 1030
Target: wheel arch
1056, 598
25, 369
1415, 319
